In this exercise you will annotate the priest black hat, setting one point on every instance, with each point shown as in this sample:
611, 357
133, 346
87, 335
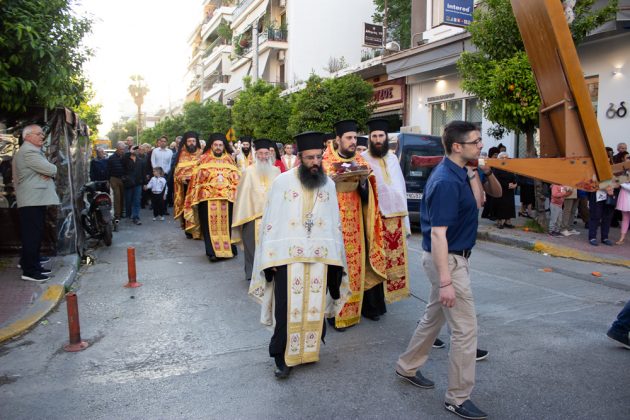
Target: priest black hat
217, 136
329, 136
362, 141
309, 140
248, 139
378, 124
342, 127
262, 144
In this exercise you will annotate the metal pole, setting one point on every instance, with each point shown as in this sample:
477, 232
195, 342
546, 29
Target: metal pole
385, 24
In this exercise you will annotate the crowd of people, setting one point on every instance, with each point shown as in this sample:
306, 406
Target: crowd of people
323, 232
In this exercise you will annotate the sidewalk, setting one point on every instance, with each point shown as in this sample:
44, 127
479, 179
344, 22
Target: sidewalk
23, 304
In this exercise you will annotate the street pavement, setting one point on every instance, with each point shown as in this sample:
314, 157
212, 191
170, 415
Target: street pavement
188, 344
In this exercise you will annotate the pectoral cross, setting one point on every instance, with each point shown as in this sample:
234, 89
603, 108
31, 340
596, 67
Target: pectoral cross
308, 224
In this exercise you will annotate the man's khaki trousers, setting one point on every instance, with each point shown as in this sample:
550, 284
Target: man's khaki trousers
462, 321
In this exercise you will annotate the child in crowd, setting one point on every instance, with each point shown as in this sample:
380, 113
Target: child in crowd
558, 193
158, 188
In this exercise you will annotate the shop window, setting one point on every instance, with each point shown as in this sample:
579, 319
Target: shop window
592, 83
474, 113
442, 113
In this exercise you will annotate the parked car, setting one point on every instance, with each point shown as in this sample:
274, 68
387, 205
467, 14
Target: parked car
416, 171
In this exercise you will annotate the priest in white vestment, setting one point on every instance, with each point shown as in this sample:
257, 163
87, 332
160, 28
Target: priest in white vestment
300, 257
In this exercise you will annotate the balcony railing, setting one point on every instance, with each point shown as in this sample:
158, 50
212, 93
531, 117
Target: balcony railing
272, 35
240, 8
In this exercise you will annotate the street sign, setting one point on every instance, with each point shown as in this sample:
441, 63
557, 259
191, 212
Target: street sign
373, 35
230, 135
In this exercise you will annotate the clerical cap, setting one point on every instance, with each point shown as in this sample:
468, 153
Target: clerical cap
342, 127
309, 141
362, 141
329, 136
216, 136
378, 124
262, 144
191, 134
248, 139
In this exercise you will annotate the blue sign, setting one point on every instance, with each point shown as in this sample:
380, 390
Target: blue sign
458, 12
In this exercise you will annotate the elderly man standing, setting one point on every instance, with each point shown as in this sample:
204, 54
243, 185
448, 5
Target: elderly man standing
392, 204
211, 192
34, 190
98, 166
251, 196
301, 256
116, 170
187, 159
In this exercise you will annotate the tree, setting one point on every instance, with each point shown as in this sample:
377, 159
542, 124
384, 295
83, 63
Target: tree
398, 20
41, 54
500, 75
90, 113
325, 101
259, 111
207, 117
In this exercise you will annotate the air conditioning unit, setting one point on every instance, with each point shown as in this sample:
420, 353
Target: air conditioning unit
282, 3
281, 55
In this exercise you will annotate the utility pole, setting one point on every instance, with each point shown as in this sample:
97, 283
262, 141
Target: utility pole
138, 90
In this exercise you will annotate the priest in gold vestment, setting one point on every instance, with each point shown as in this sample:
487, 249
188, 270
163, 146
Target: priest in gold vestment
187, 159
211, 192
251, 196
245, 157
392, 204
358, 208
300, 257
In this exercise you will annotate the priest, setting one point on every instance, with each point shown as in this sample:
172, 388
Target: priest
185, 162
392, 205
301, 255
362, 144
251, 195
211, 192
358, 208
245, 157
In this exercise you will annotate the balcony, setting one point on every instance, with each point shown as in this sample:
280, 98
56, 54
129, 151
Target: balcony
214, 19
245, 6
272, 35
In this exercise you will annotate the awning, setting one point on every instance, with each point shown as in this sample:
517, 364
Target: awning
236, 80
263, 59
212, 68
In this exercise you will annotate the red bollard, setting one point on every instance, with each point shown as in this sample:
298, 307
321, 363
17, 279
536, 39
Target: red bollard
73, 325
131, 268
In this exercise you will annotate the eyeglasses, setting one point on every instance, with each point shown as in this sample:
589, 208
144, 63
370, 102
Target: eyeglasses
41, 133
475, 142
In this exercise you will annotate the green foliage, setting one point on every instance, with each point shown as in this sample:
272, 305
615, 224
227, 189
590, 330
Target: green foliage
91, 114
259, 111
500, 75
325, 101
398, 20
224, 30
170, 127
41, 54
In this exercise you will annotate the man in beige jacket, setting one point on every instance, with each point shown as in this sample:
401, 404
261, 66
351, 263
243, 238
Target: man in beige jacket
35, 189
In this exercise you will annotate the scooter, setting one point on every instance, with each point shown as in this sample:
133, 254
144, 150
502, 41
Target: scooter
96, 218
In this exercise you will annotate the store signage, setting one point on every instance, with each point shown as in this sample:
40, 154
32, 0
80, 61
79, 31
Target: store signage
441, 97
372, 35
458, 12
389, 93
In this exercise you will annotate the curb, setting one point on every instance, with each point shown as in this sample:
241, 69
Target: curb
550, 249
65, 272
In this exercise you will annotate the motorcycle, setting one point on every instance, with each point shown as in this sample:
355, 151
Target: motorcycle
96, 217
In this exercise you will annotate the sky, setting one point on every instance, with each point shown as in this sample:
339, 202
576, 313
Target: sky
145, 37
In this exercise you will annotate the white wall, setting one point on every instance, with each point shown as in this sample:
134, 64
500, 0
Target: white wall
600, 59
322, 29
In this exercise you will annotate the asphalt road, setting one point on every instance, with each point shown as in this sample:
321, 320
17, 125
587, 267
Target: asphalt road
187, 344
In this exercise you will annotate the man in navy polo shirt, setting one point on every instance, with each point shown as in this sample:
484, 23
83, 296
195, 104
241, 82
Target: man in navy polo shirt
449, 230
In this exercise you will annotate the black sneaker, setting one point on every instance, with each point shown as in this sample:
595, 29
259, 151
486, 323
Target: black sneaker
44, 271
36, 277
482, 354
467, 410
438, 344
418, 380
619, 338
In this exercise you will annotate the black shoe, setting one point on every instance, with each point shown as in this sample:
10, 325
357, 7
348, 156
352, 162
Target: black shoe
188, 235
467, 410
418, 380
44, 271
282, 370
481, 355
36, 277
212, 258
44, 260
619, 338
373, 317
331, 322
137, 222
438, 344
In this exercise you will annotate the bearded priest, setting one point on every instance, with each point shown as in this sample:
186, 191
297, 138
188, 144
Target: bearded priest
186, 161
392, 204
300, 256
358, 209
251, 195
211, 192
